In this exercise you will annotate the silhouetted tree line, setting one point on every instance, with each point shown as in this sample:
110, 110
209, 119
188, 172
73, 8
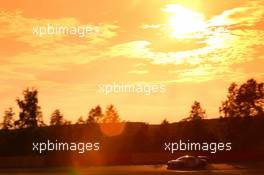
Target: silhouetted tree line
241, 123
246, 100
30, 114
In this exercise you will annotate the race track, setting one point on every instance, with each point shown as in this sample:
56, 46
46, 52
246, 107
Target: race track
219, 169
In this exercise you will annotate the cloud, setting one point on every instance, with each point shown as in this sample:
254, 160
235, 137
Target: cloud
134, 49
14, 24
242, 16
52, 53
138, 72
150, 26
214, 55
25, 51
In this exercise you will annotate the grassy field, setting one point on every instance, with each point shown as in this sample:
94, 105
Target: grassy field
220, 169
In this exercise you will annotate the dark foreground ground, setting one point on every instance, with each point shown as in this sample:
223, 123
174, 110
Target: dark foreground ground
220, 169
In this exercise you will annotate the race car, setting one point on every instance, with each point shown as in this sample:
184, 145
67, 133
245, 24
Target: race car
188, 162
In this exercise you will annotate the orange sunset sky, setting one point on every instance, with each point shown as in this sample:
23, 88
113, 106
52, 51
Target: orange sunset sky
168, 42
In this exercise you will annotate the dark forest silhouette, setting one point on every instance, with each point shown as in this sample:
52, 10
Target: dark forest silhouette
241, 122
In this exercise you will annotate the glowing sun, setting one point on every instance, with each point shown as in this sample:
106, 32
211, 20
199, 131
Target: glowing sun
184, 22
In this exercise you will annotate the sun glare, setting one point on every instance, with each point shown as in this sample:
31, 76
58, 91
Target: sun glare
184, 22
